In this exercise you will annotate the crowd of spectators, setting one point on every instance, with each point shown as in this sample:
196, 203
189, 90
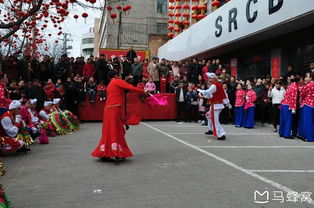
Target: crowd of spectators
72, 79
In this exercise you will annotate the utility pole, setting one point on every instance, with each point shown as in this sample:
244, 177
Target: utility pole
65, 43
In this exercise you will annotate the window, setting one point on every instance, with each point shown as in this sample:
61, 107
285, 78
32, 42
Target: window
162, 6
161, 28
88, 40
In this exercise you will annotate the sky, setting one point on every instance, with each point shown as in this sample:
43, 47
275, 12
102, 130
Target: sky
79, 27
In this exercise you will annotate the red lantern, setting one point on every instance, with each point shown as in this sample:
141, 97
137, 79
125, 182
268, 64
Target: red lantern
203, 6
194, 16
177, 22
170, 27
171, 21
186, 22
178, 7
195, 7
119, 7
171, 1
185, 14
76, 16
56, 41
178, 14
171, 7
85, 15
177, 29
113, 16
109, 8
201, 16
92, 1
186, 6
171, 14
215, 3
170, 35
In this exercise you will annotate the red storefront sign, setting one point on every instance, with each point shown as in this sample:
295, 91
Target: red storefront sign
112, 53
275, 72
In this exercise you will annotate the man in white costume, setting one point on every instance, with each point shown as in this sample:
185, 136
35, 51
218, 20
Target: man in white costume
217, 99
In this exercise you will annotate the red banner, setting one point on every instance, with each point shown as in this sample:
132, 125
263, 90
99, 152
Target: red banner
112, 53
234, 66
275, 72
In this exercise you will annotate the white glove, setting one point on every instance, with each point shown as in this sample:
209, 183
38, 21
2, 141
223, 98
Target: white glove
229, 106
18, 118
293, 111
34, 130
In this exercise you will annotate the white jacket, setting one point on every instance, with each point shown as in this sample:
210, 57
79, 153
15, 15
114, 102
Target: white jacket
276, 95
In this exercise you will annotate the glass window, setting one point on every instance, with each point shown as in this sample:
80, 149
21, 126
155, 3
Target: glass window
161, 28
162, 6
88, 40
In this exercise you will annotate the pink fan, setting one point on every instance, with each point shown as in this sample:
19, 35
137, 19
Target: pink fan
43, 138
155, 101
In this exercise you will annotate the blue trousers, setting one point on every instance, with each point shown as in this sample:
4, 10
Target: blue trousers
238, 111
301, 124
248, 117
308, 122
286, 118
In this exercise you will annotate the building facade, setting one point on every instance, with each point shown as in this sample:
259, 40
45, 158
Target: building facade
147, 20
87, 44
255, 38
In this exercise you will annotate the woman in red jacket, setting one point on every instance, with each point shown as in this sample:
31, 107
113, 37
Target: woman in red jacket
112, 143
89, 69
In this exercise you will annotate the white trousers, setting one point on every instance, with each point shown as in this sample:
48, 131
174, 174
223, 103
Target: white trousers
214, 124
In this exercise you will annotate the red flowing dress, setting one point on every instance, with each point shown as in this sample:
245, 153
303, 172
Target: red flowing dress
112, 142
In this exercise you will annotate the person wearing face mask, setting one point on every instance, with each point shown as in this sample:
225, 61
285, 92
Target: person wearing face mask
276, 94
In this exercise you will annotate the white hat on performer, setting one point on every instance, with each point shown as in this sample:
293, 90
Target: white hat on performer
33, 101
47, 103
56, 101
14, 104
211, 75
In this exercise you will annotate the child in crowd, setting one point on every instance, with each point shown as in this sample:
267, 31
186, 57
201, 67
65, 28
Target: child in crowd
81, 90
101, 88
59, 82
150, 86
49, 88
141, 85
91, 89
201, 101
239, 106
191, 103
163, 83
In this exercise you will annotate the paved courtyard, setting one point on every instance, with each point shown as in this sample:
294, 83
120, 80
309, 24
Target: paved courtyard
175, 166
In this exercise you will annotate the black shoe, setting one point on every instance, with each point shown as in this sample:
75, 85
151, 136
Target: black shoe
24, 149
127, 127
221, 138
289, 137
209, 132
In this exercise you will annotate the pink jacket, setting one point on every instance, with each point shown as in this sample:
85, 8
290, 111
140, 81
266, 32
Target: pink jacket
250, 99
291, 95
307, 95
240, 98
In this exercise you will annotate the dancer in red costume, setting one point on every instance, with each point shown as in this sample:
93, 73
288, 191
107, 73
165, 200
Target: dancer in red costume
112, 143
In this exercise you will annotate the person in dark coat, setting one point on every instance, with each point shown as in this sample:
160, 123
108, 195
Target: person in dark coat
131, 54
126, 65
62, 67
36, 91
71, 97
102, 69
180, 98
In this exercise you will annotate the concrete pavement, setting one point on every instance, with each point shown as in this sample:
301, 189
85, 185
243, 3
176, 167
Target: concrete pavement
175, 165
